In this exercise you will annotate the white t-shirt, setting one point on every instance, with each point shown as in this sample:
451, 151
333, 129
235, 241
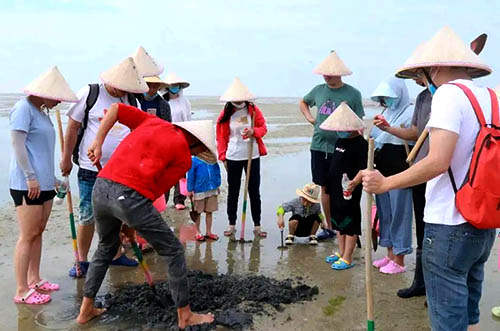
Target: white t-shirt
180, 108
117, 133
451, 110
237, 148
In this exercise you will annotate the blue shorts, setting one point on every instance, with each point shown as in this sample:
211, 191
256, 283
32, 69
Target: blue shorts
453, 263
86, 181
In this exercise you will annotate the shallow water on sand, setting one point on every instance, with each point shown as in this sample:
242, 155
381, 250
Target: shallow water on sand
285, 169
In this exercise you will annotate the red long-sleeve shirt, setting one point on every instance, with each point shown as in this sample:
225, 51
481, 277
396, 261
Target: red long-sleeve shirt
152, 158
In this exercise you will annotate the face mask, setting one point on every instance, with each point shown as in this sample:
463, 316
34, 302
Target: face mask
389, 102
430, 82
239, 105
174, 89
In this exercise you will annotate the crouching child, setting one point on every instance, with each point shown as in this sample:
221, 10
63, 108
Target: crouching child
306, 214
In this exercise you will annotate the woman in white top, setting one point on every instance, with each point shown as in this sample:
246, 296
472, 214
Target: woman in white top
234, 130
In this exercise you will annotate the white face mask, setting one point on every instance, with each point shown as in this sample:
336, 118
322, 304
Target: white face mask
239, 105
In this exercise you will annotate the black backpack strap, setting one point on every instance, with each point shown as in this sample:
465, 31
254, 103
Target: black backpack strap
452, 179
90, 102
132, 100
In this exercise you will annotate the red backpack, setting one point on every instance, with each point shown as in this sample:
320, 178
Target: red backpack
478, 199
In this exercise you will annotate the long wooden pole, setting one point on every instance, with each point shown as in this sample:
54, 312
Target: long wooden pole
247, 180
368, 246
69, 201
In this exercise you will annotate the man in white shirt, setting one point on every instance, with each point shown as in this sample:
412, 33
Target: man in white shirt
116, 87
454, 252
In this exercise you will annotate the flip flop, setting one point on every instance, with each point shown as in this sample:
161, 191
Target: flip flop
212, 236
33, 298
45, 285
199, 237
229, 232
260, 233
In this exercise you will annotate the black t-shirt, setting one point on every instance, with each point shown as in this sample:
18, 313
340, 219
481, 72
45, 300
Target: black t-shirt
350, 156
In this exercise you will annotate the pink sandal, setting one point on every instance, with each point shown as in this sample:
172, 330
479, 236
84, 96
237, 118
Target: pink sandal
212, 236
45, 285
33, 298
392, 268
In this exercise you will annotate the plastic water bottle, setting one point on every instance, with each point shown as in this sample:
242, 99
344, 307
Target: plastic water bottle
62, 190
345, 184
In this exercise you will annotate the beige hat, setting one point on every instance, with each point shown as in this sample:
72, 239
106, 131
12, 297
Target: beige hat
51, 85
203, 130
173, 79
125, 77
237, 92
309, 192
343, 119
445, 49
332, 66
155, 79
146, 65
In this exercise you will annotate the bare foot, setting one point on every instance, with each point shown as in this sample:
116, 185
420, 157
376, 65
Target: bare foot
88, 311
187, 317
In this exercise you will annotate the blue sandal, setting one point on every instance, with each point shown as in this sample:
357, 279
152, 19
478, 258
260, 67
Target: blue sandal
332, 258
342, 264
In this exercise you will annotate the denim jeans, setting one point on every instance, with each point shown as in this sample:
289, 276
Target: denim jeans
453, 263
86, 181
115, 204
395, 214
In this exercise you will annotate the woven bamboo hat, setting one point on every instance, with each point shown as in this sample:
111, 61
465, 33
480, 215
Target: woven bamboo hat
146, 65
332, 65
51, 85
156, 79
343, 119
309, 192
237, 92
444, 49
203, 130
125, 77
173, 79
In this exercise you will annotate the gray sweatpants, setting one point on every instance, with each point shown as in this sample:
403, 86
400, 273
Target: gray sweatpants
115, 203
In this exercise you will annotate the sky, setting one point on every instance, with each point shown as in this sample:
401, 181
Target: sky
272, 45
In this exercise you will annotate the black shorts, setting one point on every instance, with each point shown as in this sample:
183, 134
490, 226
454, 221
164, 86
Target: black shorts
305, 224
320, 166
348, 226
18, 195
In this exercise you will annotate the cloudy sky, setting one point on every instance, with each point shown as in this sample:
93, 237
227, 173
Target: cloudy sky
272, 45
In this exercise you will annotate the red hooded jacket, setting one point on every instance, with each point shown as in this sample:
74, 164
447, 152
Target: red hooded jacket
223, 132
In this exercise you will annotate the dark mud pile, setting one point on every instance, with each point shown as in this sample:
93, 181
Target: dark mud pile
233, 300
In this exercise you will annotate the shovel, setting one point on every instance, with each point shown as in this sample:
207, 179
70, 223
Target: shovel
282, 247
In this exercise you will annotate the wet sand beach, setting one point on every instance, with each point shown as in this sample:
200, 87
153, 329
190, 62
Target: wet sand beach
340, 304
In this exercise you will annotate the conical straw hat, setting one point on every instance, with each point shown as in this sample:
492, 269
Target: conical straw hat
172, 79
125, 77
343, 119
146, 65
51, 85
332, 66
203, 130
155, 79
237, 91
445, 49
